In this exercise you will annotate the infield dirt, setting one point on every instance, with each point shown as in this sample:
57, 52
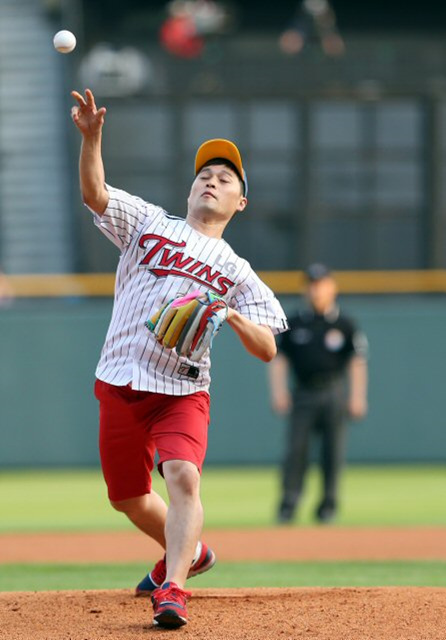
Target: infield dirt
239, 614
386, 613
284, 543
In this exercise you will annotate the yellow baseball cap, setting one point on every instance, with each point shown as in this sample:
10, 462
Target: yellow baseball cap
221, 148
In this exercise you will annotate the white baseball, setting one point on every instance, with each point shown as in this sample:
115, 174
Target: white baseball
64, 41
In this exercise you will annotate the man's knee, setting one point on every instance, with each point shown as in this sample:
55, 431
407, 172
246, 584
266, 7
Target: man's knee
129, 506
182, 476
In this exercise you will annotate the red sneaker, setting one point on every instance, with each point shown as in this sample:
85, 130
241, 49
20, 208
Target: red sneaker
153, 580
169, 606
205, 561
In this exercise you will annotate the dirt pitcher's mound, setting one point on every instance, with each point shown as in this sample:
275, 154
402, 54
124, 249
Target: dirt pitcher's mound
231, 614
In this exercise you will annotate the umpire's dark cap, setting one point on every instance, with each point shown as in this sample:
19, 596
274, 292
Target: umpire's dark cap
317, 271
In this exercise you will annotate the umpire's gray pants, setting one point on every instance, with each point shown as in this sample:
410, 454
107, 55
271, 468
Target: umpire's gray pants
322, 412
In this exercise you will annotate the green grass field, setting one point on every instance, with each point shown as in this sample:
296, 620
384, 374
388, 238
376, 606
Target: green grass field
43, 577
232, 497
397, 496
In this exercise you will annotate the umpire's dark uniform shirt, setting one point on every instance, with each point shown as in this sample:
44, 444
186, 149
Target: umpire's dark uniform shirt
319, 347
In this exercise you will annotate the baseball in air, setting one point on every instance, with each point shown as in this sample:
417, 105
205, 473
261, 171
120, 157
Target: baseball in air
64, 41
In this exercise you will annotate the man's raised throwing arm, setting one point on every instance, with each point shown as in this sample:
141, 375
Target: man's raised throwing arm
90, 120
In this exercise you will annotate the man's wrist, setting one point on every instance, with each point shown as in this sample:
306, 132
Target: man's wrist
92, 139
232, 315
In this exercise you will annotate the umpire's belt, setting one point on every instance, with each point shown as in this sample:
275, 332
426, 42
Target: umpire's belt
321, 381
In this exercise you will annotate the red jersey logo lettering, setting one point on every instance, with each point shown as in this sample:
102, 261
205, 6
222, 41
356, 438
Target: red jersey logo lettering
165, 261
177, 259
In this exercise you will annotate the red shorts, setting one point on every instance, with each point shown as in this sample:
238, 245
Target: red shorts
135, 424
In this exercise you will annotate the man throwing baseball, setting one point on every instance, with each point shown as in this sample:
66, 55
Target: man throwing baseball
176, 282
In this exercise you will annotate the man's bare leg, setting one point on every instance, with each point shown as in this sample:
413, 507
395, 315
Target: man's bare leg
184, 521
147, 512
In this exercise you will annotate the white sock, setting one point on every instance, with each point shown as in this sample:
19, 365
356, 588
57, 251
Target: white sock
197, 552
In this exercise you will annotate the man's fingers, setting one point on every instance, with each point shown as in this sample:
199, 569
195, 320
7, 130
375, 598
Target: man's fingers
80, 99
90, 99
86, 109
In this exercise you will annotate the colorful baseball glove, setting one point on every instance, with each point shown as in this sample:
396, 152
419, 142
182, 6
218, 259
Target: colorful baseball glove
189, 324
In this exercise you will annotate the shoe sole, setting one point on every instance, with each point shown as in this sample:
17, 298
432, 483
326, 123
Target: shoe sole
169, 619
210, 560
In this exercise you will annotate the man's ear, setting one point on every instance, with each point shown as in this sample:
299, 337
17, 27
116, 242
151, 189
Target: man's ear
242, 204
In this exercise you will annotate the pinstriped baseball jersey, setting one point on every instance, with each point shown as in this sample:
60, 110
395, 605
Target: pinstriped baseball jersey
162, 256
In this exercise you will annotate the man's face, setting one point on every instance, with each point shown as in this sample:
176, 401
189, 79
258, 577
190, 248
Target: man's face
216, 193
322, 294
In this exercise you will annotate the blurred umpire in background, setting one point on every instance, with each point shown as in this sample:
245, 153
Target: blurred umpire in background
326, 354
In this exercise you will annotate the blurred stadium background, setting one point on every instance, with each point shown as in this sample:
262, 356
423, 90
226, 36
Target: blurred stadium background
340, 111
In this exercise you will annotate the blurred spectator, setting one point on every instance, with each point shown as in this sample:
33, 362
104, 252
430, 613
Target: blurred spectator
116, 72
317, 19
327, 355
189, 22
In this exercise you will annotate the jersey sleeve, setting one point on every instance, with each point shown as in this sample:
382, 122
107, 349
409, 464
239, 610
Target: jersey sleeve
124, 216
256, 301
